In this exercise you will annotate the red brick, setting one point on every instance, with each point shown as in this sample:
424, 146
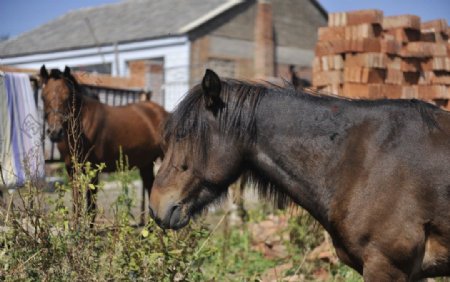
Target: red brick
329, 62
368, 60
390, 46
410, 92
425, 78
435, 31
372, 91
355, 17
363, 45
442, 78
324, 78
394, 62
430, 92
349, 32
360, 91
391, 91
436, 64
434, 37
402, 21
405, 64
404, 34
362, 31
436, 77
438, 25
337, 19
331, 33
346, 46
324, 48
316, 65
394, 76
423, 49
364, 75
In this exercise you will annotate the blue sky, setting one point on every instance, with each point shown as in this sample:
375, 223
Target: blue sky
18, 16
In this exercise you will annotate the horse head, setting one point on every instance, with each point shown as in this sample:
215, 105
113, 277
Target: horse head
202, 154
57, 94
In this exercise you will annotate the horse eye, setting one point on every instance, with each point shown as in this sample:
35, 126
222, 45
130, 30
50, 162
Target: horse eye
184, 167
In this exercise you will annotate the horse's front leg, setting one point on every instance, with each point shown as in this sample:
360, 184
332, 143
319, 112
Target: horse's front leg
148, 177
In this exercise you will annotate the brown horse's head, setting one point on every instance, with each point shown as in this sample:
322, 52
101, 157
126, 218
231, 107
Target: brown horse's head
204, 152
56, 95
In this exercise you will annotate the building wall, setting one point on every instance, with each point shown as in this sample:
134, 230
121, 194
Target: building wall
295, 24
174, 51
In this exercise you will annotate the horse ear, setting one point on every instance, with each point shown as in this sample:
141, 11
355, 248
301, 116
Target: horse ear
43, 74
211, 86
66, 71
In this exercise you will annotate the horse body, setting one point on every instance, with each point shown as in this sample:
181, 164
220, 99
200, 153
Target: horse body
99, 133
132, 128
374, 174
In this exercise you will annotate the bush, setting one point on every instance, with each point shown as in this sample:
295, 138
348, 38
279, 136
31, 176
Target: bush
43, 240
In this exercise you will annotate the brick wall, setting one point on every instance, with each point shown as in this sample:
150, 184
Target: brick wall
363, 54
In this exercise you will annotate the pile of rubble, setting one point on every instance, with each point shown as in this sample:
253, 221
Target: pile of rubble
363, 54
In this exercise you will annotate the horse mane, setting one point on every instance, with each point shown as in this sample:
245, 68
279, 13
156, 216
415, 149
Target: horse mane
237, 121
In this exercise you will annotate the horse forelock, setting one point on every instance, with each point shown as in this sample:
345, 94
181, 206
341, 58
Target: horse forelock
70, 81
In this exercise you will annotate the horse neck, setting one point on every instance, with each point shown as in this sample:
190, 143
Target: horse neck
86, 113
297, 148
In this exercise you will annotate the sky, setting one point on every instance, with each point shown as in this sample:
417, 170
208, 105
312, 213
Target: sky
18, 16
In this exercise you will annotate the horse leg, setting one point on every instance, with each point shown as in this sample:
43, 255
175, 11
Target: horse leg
379, 268
147, 176
91, 200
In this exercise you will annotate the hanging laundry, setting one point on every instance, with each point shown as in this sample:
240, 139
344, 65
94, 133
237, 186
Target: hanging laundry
21, 152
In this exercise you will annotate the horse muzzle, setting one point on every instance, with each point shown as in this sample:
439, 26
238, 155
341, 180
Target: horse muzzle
56, 135
175, 218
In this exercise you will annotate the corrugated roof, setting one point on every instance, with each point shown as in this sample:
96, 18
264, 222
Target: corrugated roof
126, 21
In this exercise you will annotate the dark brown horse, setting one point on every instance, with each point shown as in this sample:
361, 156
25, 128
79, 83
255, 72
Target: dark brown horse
375, 174
102, 130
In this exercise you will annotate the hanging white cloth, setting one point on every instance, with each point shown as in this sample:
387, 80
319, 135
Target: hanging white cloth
21, 151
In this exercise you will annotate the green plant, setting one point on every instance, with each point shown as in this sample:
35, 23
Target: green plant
45, 240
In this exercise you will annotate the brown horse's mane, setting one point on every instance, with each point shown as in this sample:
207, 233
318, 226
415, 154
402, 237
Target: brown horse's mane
237, 121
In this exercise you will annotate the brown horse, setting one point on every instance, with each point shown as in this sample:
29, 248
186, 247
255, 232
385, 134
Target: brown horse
102, 130
375, 174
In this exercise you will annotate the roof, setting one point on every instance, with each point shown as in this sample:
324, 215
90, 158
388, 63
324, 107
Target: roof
126, 21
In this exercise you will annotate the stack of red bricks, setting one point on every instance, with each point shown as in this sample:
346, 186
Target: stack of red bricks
362, 54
